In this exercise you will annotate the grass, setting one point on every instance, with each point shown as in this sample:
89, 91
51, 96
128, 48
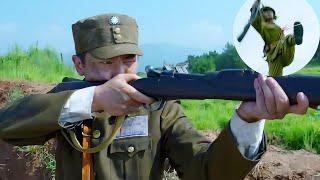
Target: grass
15, 93
34, 64
310, 70
209, 114
40, 154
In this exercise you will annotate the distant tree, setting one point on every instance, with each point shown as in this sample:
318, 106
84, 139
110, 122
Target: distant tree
212, 61
202, 63
229, 59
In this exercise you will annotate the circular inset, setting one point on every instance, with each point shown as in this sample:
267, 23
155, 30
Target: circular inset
258, 39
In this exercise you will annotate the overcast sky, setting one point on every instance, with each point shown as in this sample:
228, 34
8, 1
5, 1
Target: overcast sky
203, 24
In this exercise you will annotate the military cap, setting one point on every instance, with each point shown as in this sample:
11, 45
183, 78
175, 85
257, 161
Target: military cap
106, 36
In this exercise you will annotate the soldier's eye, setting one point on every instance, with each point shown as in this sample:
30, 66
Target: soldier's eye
131, 58
129, 61
105, 62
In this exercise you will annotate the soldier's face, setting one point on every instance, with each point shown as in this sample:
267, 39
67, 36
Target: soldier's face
268, 15
98, 69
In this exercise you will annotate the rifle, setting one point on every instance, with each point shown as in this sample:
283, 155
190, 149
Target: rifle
236, 84
254, 12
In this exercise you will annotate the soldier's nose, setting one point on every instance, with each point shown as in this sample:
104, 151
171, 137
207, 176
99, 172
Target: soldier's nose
119, 68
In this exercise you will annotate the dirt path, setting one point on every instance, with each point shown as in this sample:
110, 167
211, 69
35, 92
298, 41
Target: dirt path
277, 164
283, 164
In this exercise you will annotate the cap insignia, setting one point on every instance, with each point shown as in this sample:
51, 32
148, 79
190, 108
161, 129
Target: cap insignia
114, 20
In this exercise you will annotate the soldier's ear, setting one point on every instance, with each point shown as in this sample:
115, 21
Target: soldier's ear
78, 64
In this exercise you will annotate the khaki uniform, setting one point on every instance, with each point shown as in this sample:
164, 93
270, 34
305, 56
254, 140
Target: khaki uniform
281, 48
34, 119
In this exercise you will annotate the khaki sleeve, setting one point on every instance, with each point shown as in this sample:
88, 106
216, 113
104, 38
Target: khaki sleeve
32, 119
195, 157
257, 22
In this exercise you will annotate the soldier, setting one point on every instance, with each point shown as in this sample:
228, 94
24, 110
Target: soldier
107, 49
279, 49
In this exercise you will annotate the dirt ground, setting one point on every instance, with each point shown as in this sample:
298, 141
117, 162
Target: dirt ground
278, 164
28, 87
14, 165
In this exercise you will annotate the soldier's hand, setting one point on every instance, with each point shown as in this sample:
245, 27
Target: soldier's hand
256, 3
271, 102
117, 97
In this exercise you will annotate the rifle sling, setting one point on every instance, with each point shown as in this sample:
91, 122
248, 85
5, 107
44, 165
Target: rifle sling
103, 144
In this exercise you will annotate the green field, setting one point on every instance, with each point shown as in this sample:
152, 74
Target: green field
293, 132
310, 70
34, 64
